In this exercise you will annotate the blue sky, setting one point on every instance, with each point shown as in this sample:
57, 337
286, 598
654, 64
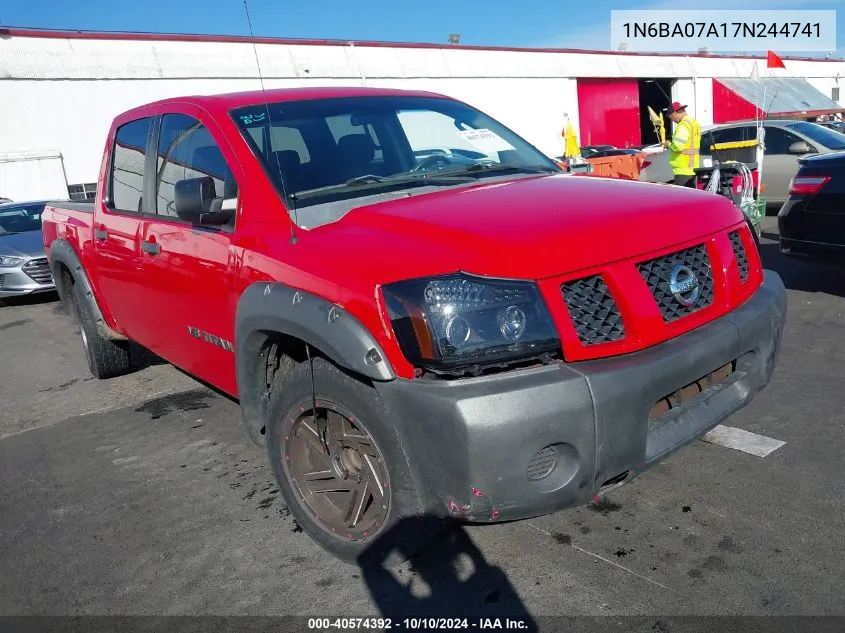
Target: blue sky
538, 23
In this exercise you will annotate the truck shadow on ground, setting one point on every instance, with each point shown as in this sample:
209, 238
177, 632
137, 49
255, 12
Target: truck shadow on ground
30, 300
825, 275
447, 578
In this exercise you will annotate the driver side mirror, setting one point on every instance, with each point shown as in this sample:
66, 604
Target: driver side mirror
196, 202
800, 147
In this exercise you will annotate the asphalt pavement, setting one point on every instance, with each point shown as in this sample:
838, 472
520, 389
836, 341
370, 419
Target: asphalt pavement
143, 495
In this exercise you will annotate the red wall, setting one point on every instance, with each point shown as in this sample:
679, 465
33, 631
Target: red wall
729, 106
609, 112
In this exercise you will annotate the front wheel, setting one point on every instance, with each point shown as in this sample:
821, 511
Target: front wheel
339, 464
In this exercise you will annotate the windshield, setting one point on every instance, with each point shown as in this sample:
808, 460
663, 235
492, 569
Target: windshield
20, 218
831, 139
324, 150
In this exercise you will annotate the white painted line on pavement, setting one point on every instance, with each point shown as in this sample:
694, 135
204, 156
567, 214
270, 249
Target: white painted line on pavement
602, 558
744, 441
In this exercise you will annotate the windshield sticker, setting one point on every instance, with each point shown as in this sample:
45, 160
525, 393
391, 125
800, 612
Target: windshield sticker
249, 119
485, 140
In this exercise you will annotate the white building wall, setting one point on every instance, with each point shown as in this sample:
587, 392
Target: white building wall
698, 95
63, 93
76, 115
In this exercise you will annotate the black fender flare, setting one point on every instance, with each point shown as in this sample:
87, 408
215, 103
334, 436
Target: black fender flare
61, 252
268, 307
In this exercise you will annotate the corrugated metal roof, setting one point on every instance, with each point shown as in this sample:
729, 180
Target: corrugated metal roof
55, 57
24, 31
781, 95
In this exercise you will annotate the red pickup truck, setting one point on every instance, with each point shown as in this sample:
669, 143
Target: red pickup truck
419, 313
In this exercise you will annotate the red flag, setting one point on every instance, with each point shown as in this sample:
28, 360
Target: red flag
774, 61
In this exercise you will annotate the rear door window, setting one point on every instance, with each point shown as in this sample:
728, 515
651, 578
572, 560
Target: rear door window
129, 154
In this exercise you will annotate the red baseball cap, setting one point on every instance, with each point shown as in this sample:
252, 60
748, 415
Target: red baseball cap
675, 107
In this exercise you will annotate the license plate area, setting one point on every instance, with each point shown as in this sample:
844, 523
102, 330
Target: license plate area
691, 392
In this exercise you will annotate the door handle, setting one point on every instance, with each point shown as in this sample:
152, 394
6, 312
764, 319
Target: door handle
153, 248
100, 234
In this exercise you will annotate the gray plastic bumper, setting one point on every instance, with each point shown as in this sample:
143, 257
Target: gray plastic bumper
530, 442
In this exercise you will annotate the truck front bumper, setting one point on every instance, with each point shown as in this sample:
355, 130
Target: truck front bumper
530, 442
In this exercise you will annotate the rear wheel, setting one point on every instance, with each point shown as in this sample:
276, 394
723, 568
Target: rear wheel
340, 466
106, 358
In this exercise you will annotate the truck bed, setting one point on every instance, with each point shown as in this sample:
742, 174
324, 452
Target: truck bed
84, 207
68, 221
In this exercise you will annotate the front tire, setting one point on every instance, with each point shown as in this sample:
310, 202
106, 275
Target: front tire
340, 465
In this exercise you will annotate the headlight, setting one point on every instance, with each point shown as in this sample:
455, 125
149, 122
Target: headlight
452, 322
10, 261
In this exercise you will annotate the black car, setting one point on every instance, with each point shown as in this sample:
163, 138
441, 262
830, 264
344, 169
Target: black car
812, 220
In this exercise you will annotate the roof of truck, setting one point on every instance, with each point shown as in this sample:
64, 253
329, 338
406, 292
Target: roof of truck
230, 100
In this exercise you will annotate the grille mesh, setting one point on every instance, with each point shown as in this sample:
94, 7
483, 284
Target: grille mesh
39, 270
740, 255
541, 464
657, 273
594, 312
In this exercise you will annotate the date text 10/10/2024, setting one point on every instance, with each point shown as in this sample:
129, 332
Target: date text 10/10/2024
437, 624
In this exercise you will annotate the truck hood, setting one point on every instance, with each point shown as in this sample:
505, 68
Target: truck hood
26, 244
528, 228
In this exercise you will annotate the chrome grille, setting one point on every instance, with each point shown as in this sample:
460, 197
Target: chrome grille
740, 254
657, 273
39, 270
593, 310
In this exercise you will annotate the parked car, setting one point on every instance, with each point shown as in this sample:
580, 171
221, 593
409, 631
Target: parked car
24, 268
785, 142
812, 221
415, 337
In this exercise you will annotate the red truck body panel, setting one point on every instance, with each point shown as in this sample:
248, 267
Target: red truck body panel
549, 228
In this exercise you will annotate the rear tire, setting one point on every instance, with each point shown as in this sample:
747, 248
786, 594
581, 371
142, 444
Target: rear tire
394, 529
106, 358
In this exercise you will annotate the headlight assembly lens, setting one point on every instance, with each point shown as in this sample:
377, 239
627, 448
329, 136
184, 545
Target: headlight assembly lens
512, 322
10, 261
457, 331
458, 320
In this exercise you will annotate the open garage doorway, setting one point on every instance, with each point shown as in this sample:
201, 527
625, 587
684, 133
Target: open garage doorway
656, 93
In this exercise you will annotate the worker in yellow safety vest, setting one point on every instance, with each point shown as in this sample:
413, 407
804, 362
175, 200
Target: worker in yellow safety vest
685, 146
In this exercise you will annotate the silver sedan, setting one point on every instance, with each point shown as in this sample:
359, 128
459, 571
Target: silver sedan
23, 265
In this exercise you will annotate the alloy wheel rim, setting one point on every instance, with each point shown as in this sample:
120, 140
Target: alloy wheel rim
337, 470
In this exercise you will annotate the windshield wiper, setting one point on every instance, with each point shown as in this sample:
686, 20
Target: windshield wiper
498, 167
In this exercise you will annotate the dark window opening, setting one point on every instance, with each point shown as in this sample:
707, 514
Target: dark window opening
778, 140
656, 93
82, 192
